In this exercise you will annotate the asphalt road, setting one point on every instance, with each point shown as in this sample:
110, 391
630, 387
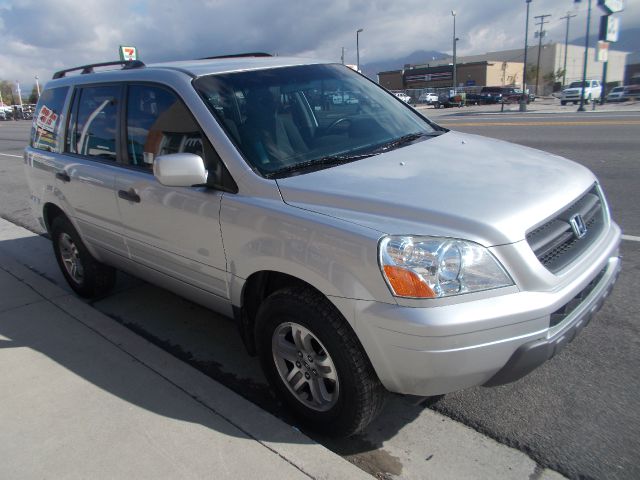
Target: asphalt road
578, 414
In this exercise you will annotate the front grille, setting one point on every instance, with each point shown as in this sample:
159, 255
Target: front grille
562, 313
555, 243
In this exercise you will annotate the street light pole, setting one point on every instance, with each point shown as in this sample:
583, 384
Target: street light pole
342, 56
37, 87
586, 57
19, 93
455, 40
523, 99
358, 48
566, 48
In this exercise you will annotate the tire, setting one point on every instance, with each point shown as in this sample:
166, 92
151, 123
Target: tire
587, 100
84, 274
575, 103
349, 395
562, 102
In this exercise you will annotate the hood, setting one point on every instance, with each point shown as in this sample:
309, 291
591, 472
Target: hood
455, 185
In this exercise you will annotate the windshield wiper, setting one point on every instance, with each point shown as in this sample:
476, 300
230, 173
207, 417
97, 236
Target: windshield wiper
403, 140
327, 161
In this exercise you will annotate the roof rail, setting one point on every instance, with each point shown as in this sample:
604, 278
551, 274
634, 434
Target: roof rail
126, 65
239, 55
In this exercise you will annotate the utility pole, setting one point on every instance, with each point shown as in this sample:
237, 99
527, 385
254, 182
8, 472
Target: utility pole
455, 40
523, 99
586, 57
540, 34
566, 47
358, 48
342, 56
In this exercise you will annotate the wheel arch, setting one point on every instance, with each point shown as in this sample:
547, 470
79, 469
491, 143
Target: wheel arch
255, 290
49, 212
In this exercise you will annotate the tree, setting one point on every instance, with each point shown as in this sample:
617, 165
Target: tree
33, 98
532, 73
6, 89
554, 78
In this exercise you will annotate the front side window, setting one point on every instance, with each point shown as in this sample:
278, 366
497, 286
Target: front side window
293, 119
48, 120
93, 122
159, 123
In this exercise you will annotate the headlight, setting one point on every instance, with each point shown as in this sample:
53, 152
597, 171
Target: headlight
431, 267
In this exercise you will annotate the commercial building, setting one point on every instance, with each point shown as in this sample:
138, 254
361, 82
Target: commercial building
468, 74
552, 55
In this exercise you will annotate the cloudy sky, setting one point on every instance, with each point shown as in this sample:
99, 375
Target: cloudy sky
39, 37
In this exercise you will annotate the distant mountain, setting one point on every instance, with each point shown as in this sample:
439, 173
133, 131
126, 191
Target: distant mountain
372, 69
629, 41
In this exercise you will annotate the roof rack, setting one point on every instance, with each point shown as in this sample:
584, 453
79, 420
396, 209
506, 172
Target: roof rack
126, 65
239, 55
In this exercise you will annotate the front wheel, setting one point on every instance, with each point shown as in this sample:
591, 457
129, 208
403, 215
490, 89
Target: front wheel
315, 363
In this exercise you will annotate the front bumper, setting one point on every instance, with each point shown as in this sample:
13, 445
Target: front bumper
432, 351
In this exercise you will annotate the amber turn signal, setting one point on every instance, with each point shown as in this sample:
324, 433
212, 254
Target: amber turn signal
406, 283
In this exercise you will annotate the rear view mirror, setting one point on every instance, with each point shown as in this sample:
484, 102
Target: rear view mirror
180, 170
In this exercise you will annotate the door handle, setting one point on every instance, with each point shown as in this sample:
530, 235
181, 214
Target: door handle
64, 176
130, 195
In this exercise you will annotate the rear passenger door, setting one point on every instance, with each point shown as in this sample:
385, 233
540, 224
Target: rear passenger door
171, 230
87, 181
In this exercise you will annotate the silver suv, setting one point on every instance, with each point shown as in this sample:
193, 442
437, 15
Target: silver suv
360, 247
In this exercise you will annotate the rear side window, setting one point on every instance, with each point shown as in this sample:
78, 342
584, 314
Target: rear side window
93, 122
48, 120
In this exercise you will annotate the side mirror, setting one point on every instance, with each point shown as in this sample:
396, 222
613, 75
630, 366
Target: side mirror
180, 170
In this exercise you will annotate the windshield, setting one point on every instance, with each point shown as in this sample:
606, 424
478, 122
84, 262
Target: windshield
618, 89
576, 85
309, 116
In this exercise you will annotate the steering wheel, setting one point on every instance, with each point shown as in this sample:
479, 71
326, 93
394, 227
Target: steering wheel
336, 122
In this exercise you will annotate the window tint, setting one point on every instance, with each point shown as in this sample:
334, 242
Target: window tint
93, 122
48, 119
291, 119
158, 123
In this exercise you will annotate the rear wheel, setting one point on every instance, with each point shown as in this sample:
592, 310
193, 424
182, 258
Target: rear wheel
562, 102
315, 363
84, 274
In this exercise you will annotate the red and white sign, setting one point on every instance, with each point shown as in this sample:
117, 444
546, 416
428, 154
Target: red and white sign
128, 54
46, 119
603, 52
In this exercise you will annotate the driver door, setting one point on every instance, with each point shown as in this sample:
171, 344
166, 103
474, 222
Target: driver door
172, 231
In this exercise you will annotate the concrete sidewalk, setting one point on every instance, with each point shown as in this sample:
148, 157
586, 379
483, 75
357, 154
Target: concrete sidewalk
83, 397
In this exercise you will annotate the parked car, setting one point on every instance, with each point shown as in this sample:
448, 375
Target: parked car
360, 250
616, 95
403, 96
514, 95
624, 93
450, 99
490, 95
428, 97
591, 90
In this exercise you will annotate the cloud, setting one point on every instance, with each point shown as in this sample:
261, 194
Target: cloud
41, 37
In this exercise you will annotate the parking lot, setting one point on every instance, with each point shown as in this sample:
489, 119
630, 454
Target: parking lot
578, 414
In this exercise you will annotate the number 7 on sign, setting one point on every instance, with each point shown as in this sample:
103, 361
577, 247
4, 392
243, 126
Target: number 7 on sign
128, 53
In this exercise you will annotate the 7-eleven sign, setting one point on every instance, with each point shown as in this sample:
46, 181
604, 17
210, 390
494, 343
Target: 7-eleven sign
128, 53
